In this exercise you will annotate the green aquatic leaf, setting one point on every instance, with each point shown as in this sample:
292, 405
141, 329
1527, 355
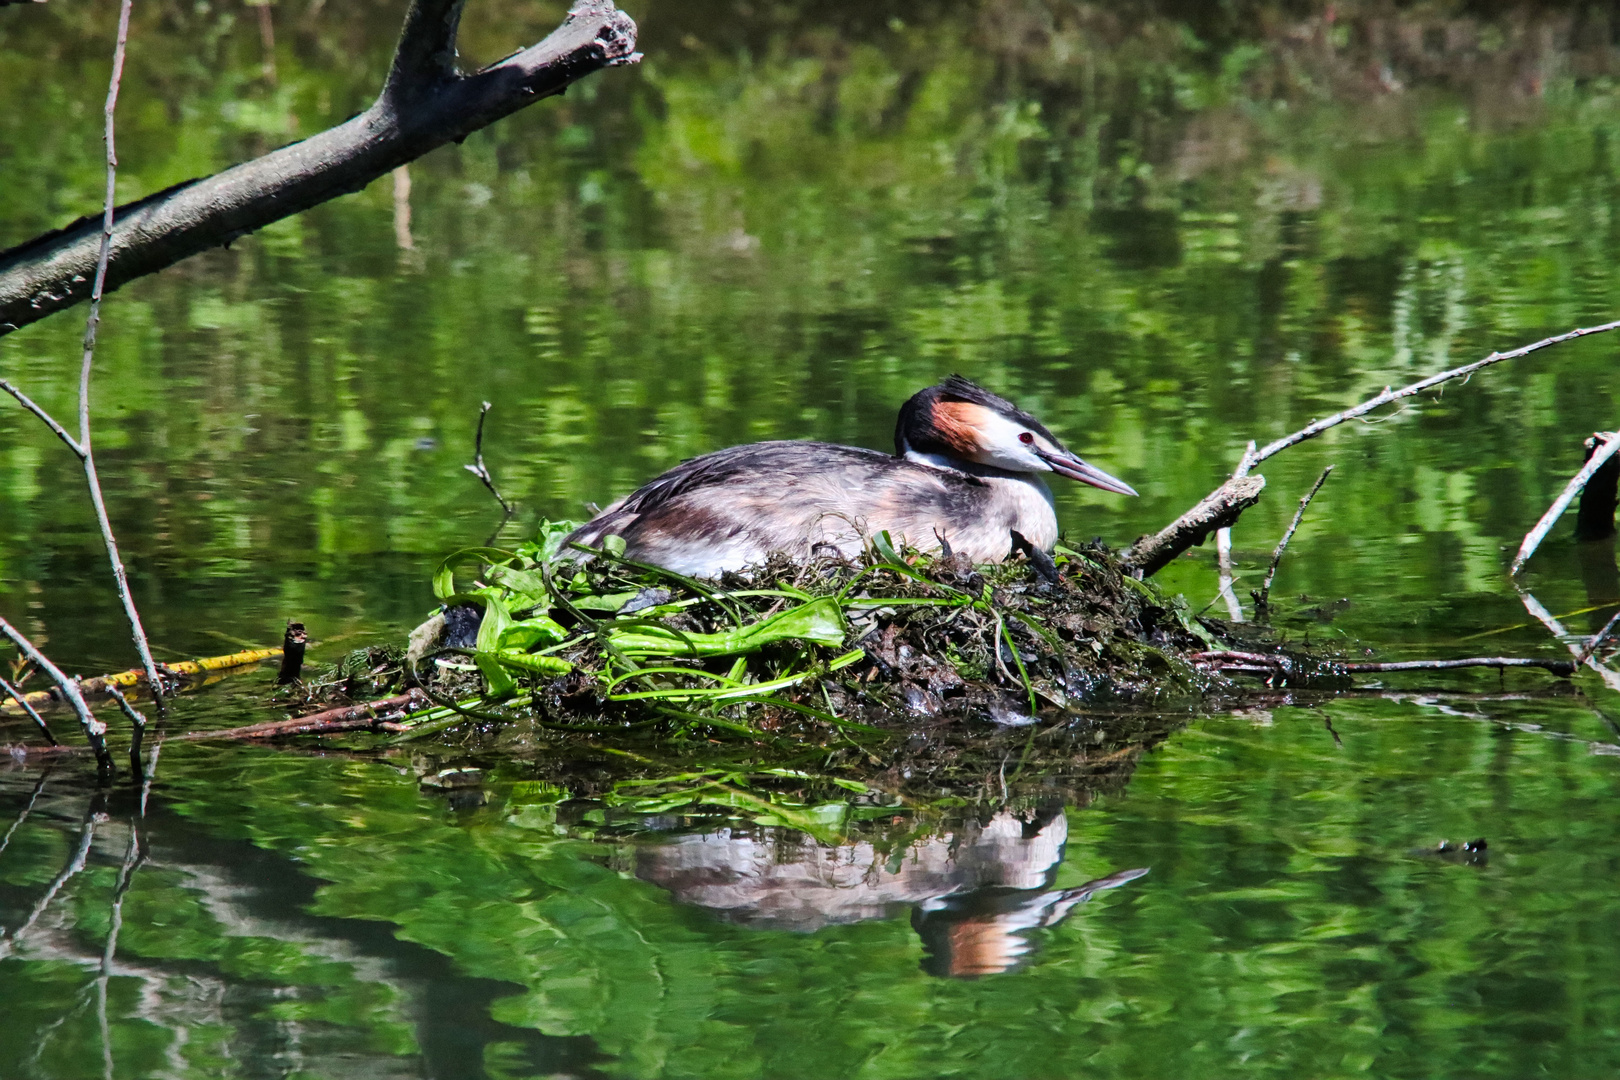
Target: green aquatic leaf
444, 575
537, 631
499, 682
548, 543
820, 622
530, 662
609, 602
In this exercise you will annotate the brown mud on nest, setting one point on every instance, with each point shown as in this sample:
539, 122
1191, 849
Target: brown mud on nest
595, 643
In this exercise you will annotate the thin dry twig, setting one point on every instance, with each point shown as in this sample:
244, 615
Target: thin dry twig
92, 322
1229, 659
1167, 546
46, 418
8, 689
134, 714
478, 468
1223, 547
1223, 565
94, 730
1263, 597
1316, 427
1597, 639
1532, 540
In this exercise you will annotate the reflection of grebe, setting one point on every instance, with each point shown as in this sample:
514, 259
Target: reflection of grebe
967, 467
974, 891
985, 933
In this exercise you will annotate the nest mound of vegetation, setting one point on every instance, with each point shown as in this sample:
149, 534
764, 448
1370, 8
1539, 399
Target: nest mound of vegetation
590, 641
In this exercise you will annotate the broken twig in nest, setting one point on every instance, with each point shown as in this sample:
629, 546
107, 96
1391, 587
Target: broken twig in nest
1262, 598
1532, 540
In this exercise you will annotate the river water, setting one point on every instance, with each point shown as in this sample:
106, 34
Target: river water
781, 224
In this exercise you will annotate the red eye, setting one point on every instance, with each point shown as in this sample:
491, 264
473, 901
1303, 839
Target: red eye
1026, 438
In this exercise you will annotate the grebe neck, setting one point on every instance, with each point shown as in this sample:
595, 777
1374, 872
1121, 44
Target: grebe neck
970, 468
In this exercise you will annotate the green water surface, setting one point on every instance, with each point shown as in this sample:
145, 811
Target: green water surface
1164, 234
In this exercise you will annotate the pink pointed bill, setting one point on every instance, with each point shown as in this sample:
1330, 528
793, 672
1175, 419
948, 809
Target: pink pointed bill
1072, 467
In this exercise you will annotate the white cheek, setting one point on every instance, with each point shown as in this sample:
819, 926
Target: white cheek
1000, 445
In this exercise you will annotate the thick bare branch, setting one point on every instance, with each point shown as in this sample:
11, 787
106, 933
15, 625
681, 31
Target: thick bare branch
426, 53
55, 271
1219, 509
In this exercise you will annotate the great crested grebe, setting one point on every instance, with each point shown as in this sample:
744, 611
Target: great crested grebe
966, 472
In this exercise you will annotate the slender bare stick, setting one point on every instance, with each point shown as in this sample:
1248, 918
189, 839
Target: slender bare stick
377, 715
127, 709
49, 421
39, 786
1223, 562
478, 469
1597, 639
16, 695
1315, 428
87, 835
1170, 543
94, 729
1223, 545
87, 455
1283, 663
1532, 540
1609, 675
1263, 597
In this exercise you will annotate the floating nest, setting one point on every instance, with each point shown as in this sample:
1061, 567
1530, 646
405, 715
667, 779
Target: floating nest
592, 642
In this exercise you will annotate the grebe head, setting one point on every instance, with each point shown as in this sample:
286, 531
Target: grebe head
960, 422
